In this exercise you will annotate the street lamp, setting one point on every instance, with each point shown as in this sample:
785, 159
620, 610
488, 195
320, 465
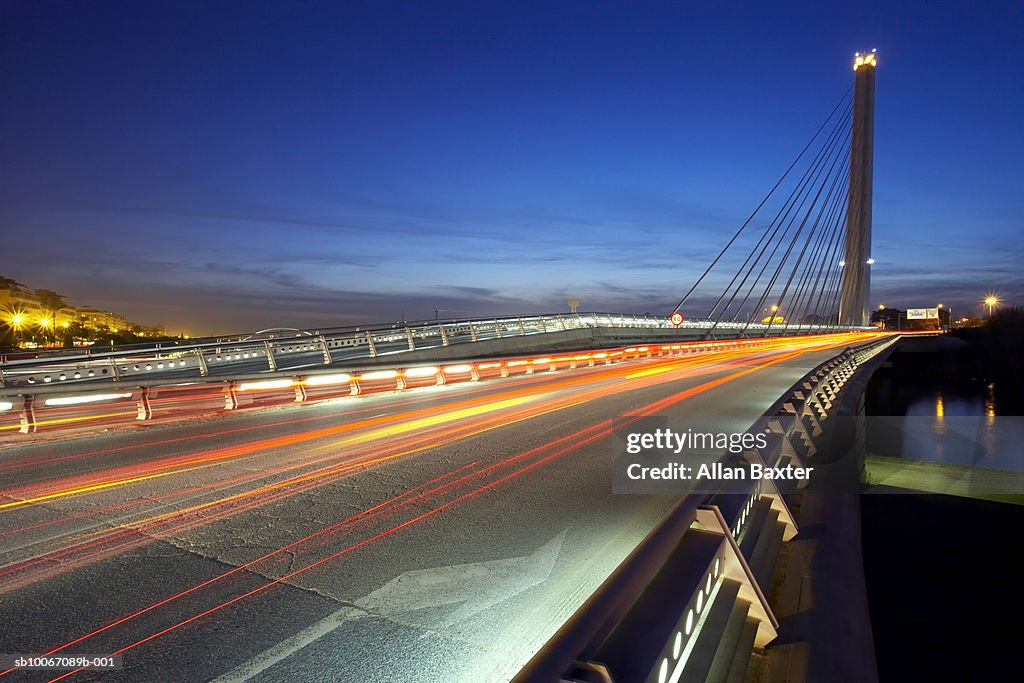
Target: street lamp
44, 326
991, 300
770, 311
16, 321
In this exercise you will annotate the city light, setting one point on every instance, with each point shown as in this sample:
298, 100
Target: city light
991, 300
16, 320
378, 375
412, 373
265, 384
865, 60
79, 400
320, 380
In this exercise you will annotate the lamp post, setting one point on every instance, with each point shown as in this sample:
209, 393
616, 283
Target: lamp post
991, 300
17, 323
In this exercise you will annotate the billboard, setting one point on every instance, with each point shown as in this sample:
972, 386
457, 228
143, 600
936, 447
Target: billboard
922, 313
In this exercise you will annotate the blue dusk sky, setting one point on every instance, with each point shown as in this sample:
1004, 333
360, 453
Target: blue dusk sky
224, 166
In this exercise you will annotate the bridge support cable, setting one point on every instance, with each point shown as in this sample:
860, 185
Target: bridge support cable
781, 301
834, 293
826, 227
772, 230
761, 259
819, 182
820, 261
827, 262
828, 294
778, 302
812, 278
821, 264
754, 257
768, 196
829, 267
798, 308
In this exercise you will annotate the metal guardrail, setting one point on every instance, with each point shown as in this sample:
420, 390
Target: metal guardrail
306, 383
688, 603
290, 350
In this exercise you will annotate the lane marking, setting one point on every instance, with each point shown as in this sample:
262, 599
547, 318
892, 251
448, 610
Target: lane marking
477, 586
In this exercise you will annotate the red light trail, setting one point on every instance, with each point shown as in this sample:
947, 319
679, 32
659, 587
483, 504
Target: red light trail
364, 444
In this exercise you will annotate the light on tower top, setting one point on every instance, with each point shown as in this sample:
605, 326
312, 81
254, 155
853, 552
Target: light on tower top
869, 59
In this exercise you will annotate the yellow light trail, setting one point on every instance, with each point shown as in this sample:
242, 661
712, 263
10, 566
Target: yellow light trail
520, 397
91, 488
372, 435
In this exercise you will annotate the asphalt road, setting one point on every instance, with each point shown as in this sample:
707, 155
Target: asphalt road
435, 534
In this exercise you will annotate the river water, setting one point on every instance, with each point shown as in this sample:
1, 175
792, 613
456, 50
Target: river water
959, 422
943, 569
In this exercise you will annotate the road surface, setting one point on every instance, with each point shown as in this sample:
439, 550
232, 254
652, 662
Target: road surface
435, 534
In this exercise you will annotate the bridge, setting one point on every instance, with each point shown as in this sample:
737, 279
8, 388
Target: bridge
436, 501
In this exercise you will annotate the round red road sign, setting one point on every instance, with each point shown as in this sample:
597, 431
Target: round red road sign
677, 318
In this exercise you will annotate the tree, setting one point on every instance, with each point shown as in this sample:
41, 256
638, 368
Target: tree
890, 318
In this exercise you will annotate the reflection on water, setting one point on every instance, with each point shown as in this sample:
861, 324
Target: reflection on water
970, 400
953, 423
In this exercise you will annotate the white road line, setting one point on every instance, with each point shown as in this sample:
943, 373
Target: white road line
286, 648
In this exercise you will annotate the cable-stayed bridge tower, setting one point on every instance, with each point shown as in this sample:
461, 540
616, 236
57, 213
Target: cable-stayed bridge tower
803, 257
856, 281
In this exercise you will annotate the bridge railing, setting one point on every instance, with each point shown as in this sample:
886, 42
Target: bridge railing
689, 603
55, 405
278, 350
